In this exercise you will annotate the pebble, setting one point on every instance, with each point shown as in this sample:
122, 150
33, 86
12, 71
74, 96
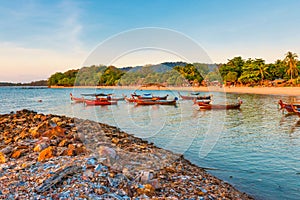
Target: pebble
56, 157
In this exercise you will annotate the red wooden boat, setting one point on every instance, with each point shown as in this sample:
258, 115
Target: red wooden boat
100, 102
201, 102
131, 100
76, 99
204, 106
149, 96
296, 110
108, 96
196, 96
288, 106
146, 102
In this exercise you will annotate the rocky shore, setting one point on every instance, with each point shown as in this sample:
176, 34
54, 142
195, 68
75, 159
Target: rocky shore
57, 157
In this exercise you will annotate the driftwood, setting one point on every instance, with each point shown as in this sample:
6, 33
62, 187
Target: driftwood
57, 177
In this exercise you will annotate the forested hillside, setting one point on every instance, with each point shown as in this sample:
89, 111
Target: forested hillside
237, 71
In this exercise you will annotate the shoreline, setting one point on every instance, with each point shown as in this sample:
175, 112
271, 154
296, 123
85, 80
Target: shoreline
75, 155
286, 91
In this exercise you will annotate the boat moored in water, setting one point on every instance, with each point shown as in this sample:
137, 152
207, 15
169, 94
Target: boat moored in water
194, 96
76, 99
205, 106
145, 102
149, 96
295, 109
102, 95
100, 102
289, 106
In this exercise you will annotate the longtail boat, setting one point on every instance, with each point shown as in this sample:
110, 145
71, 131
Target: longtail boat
296, 109
145, 94
202, 101
288, 106
204, 106
146, 102
76, 99
109, 96
100, 102
149, 96
196, 96
131, 100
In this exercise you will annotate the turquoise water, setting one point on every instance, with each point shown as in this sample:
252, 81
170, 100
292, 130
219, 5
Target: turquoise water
256, 149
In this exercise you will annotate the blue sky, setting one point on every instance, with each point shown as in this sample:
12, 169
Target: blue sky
38, 38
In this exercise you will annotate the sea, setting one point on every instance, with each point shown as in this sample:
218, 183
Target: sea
256, 149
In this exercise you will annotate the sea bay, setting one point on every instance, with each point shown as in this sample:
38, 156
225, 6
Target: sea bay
256, 149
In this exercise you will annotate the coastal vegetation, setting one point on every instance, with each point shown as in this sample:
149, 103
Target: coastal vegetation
236, 72
33, 83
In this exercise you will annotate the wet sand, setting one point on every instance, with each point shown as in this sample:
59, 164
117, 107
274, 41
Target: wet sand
57, 157
287, 91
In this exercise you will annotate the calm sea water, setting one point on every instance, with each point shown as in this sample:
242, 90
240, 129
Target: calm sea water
256, 149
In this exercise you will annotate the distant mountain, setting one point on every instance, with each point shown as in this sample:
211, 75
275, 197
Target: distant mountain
159, 68
131, 69
166, 66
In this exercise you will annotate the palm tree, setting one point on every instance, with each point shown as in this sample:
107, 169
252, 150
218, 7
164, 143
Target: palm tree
291, 62
261, 69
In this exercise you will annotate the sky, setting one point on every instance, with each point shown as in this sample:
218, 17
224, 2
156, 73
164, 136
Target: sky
39, 38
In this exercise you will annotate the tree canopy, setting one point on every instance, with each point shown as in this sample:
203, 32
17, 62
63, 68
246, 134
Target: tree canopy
237, 71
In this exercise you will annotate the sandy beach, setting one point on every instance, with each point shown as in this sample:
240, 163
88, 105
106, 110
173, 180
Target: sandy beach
286, 91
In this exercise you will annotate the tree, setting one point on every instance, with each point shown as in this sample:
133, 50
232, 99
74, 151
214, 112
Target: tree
249, 73
111, 76
233, 65
213, 76
190, 73
260, 68
291, 63
55, 78
231, 77
277, 70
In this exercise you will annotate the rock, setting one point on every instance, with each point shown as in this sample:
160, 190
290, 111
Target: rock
40, 147
80, 150
61, 123
16, 154
55, 119
170, 169
147, 190
7, 141
100, 168
115, 140
107, 152
155, 183
46, 154
54, 132
88, 173
146, 176
63, 143
127, 173
24, 165
70, 151
24, 134
60, 150
34, 132
92, 161
2, 158
7, 150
